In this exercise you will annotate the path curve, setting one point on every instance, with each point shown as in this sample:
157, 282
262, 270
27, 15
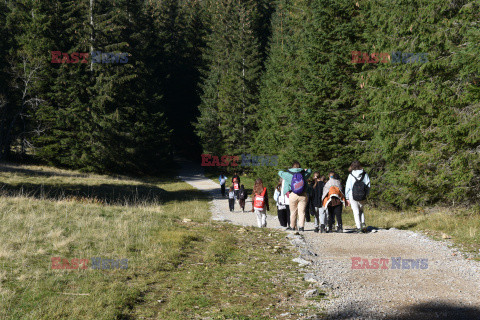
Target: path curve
448, 289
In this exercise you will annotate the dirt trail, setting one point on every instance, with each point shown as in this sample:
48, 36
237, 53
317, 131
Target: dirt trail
449, 288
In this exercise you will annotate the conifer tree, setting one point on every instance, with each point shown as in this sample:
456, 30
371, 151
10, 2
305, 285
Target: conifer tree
28, 66
279, 109
229, 100
327, 94
5, 113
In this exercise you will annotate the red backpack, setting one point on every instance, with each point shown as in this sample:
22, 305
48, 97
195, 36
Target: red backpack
259, 200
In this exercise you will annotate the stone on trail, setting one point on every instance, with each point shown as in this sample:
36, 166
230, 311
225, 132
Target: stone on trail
446, 236
310, 277
187, 220
306, 252
311, 293
302, 262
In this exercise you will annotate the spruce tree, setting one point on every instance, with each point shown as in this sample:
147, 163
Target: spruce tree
5, 113
230, 90
327, 94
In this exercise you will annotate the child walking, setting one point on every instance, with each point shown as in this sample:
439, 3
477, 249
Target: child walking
283, 218
231, 198
260, 203
242, 196
320, 212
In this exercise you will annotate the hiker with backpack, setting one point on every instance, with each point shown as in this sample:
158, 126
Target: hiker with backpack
282, 207
320, 212
231, 199
356, 191
296, 182
333, 200
260, 203
222, 179
242, 196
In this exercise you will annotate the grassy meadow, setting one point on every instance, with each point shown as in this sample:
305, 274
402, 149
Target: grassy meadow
181, 265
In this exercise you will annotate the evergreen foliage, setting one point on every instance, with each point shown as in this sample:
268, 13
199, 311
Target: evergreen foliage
263, 77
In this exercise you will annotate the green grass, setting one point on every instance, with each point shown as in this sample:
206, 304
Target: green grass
176, 269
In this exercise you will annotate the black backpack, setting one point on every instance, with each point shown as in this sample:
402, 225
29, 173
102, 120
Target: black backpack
243, 194
360, 190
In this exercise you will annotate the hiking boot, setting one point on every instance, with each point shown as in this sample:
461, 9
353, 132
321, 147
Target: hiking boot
364, 228
301, 229
322, 228
330, 228
288, 229
316, 230
339, 229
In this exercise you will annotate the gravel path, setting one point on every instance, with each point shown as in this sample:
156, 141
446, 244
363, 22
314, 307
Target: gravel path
449, 288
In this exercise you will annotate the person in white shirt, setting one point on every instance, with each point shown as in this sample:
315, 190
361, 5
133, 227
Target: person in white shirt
222, 179
357, 174
283, 205
231, 199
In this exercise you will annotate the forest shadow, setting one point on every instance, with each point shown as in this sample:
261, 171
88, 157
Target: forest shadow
46, 173
420, 311
110, 194
145, 193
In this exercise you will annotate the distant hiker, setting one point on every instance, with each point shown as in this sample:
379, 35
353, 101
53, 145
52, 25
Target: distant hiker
356, 191
222, 179
310, 209
317, 202
333, 199
280, 199
296, 182
260, 203
242, 195
286, 198
231, 199
236, 184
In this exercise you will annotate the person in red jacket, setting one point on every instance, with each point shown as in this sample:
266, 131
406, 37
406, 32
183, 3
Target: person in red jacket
260, 203
236, 185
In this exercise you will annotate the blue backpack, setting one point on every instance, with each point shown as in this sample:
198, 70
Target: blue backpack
298, 183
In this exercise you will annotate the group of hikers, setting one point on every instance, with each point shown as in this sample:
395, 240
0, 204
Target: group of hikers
297, 197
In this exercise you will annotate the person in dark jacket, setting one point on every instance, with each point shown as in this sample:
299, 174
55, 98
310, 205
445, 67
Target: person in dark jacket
242, 195
310, 209
320, 212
